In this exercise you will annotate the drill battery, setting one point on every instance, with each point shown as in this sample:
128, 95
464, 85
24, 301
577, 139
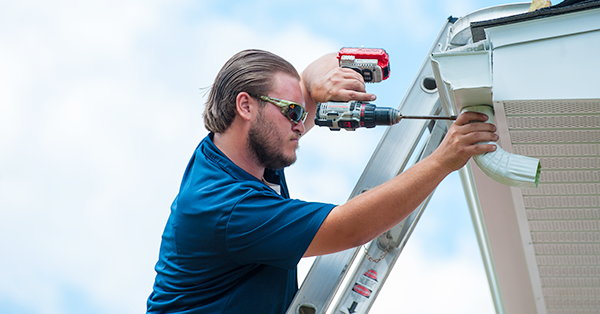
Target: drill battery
372, 63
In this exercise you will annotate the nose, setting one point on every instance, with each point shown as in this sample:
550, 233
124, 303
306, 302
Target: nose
298, 127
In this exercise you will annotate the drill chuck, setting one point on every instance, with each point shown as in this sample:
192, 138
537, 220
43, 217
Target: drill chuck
373, 116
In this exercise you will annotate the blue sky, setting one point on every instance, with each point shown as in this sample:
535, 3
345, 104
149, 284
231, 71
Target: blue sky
100, 110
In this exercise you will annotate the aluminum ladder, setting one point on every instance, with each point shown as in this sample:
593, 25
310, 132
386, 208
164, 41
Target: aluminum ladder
400, 146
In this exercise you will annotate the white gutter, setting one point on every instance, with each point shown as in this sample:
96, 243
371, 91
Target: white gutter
448, 101
464, 79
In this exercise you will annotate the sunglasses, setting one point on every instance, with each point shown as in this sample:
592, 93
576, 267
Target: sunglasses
293, 111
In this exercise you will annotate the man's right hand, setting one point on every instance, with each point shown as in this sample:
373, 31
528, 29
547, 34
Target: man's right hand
460, 142
324, 80
340, 84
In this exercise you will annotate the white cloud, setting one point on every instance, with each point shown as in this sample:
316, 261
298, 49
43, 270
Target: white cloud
419, 284
292, 42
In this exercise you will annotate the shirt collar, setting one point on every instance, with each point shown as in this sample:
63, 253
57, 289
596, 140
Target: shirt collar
214, 153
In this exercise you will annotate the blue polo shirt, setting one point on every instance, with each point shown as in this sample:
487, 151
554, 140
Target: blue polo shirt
231, 243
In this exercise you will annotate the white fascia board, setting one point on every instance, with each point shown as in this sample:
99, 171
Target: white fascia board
544, 28
549, 58
464, 78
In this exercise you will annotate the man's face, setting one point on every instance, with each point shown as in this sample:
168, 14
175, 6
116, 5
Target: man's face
267, 144
273, 138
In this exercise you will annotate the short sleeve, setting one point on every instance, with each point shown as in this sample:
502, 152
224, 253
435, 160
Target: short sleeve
264, 228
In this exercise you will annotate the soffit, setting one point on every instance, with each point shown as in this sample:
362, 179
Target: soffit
562, 216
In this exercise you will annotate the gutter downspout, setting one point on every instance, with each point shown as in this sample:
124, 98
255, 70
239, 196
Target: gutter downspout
504, 167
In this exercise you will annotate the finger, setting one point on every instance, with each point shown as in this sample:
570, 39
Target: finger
346, 74
481, 149
458, 131
473, 133
347, 95
470, 116
469, 151
480, 137
349, 90
477, 127
351, 74
353, 85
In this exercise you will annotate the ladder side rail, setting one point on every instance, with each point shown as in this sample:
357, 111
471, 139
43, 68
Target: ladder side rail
384, 251
389, 159
321, 283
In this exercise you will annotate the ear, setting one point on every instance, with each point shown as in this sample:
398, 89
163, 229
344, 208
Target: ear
246, 106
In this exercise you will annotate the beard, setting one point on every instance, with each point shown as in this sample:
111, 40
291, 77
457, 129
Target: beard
266, 144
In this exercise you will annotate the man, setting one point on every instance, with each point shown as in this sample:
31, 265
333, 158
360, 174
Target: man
234, 237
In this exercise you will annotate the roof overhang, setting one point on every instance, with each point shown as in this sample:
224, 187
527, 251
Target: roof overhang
540, 75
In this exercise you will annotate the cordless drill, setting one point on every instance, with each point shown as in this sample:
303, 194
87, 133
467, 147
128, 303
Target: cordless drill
357, 114
373, 64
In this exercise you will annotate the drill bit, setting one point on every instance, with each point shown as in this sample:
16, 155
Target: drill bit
428, 117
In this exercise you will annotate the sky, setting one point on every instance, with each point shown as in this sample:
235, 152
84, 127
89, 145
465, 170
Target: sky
101, 108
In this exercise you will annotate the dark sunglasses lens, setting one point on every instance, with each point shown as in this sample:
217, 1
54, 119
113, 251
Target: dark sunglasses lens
295, 113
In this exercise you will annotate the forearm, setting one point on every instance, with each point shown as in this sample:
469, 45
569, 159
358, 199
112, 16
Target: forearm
315, 72
367, 215
310, 76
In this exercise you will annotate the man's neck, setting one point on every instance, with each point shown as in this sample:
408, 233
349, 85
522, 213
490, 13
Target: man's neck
235, 148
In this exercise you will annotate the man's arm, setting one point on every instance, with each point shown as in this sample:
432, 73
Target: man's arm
323, 80
368, 215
